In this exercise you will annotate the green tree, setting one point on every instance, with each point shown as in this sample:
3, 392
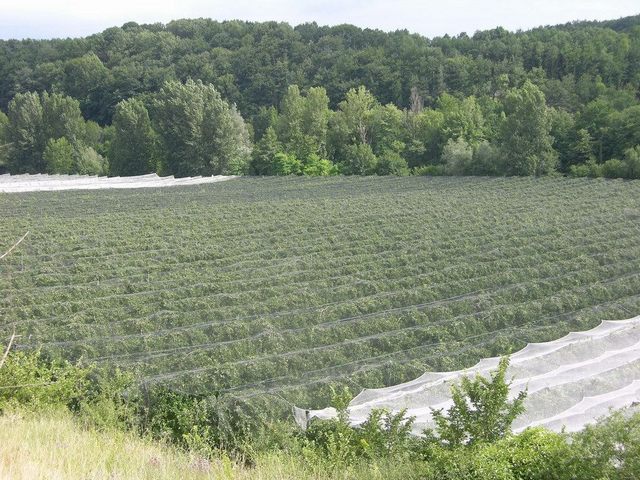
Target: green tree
524, 139
133, 149
61, 117
86, 161
350, 127
289, 120
59, 156
624, 131
359, 160
264, 153
356, 110
34, 120
317, 167
595, 117
235, 144
265, 118
609, 448
25, 134
303, 120
486, 160
390, 162
481, 410
87, 79
424, 138
563, 131
200, 133
583, 147
387, 129
632, 159
286, 164
315, 118
95, 135
461, 119
457, 157
4, 142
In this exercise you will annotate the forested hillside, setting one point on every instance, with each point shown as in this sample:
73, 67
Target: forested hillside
206, 97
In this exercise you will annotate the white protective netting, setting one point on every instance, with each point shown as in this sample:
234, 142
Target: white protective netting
570, 382
44, 182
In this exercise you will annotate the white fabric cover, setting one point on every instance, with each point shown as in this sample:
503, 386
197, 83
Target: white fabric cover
571, 382
44, 182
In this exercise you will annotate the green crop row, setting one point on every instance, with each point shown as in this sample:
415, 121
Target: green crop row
283, 286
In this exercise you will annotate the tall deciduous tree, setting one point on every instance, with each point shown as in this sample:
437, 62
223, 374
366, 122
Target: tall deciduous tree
86, 79
461, 119
201, 134
33, 120
25, 134
524, 138
264, 153
61, 117
302, 122
133, 150
315, 118
350, 126
387, 129
356, 110
4, 145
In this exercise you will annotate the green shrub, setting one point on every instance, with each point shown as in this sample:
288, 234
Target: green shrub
360, 160
614, 168
103, 398
481, 410
28, 379
632, 159
383, 436
430, 170
535, 454
58, 156
609, 449
584, 170
198, 423
316, 166
286, 164
390, 162
111, 399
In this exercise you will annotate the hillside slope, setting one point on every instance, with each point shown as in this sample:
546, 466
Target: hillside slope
275, 288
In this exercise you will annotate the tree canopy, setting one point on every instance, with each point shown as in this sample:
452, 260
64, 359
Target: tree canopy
563, 98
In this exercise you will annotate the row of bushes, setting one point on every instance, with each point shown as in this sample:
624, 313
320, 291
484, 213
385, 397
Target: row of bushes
472, 440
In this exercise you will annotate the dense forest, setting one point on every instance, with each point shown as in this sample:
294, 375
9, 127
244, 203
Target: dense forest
201, 97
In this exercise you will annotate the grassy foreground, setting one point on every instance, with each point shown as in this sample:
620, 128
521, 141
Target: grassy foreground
53, 445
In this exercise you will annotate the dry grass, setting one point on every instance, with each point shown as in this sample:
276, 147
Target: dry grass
53, 446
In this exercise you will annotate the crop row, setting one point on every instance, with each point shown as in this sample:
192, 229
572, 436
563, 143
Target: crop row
281, 286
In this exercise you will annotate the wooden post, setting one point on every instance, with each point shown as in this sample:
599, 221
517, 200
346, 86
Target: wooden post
14, 246
6, 353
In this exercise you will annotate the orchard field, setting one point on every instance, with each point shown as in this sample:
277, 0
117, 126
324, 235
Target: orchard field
277, 288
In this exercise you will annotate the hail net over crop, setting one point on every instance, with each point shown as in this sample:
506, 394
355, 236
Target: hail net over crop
570, 382
44, 182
